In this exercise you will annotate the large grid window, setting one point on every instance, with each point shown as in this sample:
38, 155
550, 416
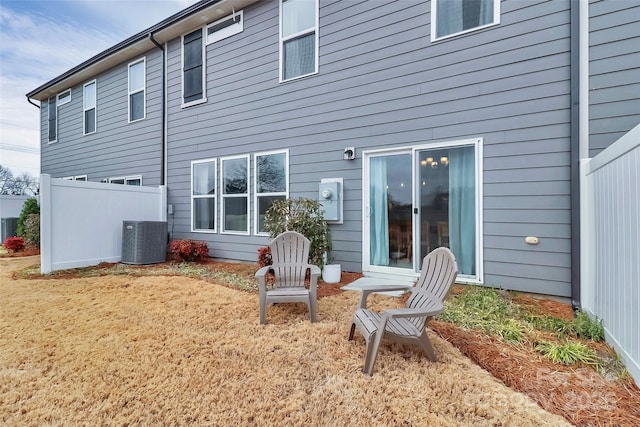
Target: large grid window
235, 194
451, 17
271, 183
137, 83
53, 120
193, 59
89, 107
298, 38
203, 195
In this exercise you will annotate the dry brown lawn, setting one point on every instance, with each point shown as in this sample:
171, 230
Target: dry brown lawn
171, 350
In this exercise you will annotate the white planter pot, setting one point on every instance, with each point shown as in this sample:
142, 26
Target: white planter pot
331, 273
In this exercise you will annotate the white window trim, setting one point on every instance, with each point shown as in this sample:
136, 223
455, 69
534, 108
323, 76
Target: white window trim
75, 178
125, 179
144, 89
66, 101
227, 196
229, 31
205, 196
434, 38
478, 145
57, 119
85, 109
204, 71
293, 36
255, 186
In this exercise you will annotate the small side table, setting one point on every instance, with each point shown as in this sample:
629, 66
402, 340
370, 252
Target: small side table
368, 285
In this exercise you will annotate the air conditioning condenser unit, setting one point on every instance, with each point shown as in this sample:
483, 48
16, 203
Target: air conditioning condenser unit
144, 242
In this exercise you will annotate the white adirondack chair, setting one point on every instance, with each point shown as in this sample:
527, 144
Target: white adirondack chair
290, 256
407, 325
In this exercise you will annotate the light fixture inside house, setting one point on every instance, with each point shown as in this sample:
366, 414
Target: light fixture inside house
444, 161
423, 162
434, 164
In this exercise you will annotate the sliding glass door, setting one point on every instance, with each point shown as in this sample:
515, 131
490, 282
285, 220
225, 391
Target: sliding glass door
419, 199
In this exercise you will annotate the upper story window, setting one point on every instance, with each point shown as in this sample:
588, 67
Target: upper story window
75, 178
89, 107
235, 194
203, 195
127, 180
64, 97
53, 120
452, 17
193, 78
298, 38
272, 183
225, 27
137, 83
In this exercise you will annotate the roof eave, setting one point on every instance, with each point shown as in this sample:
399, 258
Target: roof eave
188, 19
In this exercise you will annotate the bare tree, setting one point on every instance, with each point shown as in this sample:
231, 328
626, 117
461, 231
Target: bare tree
23, 185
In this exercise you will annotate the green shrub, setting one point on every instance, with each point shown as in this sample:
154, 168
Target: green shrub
588, 328
307, 218
32, 230
568, 353
29, 207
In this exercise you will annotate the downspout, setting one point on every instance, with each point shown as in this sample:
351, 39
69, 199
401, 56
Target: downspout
31, 102
164, 110
575, 152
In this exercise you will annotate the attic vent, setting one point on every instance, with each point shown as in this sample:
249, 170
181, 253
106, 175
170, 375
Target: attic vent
225, 27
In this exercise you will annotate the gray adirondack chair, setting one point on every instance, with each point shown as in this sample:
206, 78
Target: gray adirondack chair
407, 325
290, 256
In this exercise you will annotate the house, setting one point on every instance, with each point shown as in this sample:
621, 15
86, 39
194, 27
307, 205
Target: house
437, 122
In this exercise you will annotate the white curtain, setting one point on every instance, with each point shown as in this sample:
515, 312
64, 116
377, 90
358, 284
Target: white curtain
454, 16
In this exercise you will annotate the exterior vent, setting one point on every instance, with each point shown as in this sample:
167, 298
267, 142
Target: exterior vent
144, 242
9, 228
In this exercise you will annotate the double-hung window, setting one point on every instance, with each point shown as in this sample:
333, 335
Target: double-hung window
53, 120
452, 17
203, 195
271, 183
298, 38
235, 194
137, 82
89, 107
193, 67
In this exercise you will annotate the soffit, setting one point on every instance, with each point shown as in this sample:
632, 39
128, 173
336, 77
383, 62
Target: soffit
137, 45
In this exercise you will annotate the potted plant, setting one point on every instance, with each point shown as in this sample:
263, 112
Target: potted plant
331, 272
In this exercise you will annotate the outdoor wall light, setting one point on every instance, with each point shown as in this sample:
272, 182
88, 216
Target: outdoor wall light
349, 153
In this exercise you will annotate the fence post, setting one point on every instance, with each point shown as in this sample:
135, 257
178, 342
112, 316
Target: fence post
45, 224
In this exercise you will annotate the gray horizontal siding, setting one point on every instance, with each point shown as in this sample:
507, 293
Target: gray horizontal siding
117, 148
383, 84
614, 67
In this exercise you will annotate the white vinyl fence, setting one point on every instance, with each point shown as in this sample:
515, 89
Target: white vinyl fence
11, 206
81, 222
610, 287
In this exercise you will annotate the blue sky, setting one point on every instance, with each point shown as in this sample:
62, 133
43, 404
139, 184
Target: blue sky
40, 40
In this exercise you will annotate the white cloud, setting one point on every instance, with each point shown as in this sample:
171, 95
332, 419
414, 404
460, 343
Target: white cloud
39, 43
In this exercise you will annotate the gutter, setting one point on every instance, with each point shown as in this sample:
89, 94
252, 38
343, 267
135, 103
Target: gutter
164, 109
31, 102
575, 151
203, 4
